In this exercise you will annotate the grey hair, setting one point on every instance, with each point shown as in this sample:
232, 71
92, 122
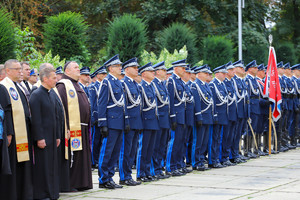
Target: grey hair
46, 71
1, 68
44, 65
9, 63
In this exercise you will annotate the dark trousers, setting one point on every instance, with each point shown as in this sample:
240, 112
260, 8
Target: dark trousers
214, 144
239, 129
160, 150
128, 148
291, 123
109, 154
145, 152
174, 148
199, 145
96, 144
186, 135
228, 138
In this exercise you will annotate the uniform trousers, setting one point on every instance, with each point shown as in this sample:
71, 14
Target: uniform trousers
214, 144
160, 150
175, 148
186, 135
127, 154
96, 144
199, 145
145, 153
109, 154
239, 130
228, 138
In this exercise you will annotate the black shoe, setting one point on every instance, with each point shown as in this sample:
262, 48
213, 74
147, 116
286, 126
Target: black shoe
151, 178
174, 173
244, 157
182, 171
186, 170
291, 146
133, 167
252, 155
143, 179
129, 182
162, 176
107, 185
199, 168
237, 160
228, 163
217, 165
188, 164
116, 169
116, 185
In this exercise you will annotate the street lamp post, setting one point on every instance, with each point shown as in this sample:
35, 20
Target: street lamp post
241, 4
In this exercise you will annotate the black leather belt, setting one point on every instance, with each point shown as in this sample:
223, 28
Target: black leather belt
254, 97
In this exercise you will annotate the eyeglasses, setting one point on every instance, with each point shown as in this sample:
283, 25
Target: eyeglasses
16, 68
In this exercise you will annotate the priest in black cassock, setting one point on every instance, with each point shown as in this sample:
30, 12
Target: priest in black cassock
17, 185
45, 137
80, 171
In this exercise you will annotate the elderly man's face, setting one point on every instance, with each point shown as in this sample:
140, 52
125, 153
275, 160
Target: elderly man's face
73, 70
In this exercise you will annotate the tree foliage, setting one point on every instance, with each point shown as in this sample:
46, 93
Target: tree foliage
65, 35
37, 59
176, 36
286, 53
7, 37
25, 43
127, 36
217, 51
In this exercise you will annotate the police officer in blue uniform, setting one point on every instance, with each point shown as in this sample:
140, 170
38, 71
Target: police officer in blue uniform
282, 134
176, 89
228, 130
253, 92
189, 119
163, 106
84, 79
242, 107
133, 104
112, 120
220, 97
264, 104
203, 117
150, 125
291, 103
295, 123
94, 90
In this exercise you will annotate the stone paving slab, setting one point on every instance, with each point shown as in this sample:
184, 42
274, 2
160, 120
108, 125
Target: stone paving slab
274, 177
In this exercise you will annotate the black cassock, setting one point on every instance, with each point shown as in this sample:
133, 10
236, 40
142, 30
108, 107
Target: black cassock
63, 164
18, 185
80, 173
43, 126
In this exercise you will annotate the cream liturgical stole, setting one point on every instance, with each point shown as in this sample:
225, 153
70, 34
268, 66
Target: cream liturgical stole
18, 120
66, 128
74, 116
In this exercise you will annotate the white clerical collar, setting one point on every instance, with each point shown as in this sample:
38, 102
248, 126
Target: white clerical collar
130, 78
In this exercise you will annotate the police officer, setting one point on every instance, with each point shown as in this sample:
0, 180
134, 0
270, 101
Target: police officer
94, 90
176, 89
264, 104
228, 130
163, 105
253, 92
112, 120
150, 125
242, 107
133, 104
189, 119
59, 72
204, 117
220, 97
291, 103
84, 79
295, 123
281, 124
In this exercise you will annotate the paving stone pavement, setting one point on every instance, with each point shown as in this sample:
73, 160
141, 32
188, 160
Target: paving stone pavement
269, 177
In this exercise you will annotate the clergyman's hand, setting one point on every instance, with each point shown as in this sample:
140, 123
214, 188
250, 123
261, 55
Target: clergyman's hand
41, 143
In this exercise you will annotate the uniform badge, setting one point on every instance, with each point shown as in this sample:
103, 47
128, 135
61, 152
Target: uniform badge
206, 98
71, 93
240, 91
229, 93
13, 94
179, 92
75, 143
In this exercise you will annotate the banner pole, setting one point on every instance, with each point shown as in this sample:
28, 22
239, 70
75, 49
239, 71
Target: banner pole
270, 130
